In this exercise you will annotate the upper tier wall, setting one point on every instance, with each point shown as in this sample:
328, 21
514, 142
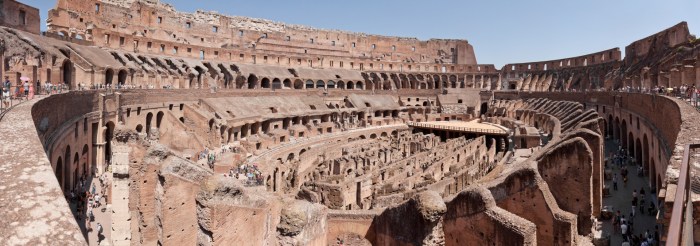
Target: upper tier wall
107, 23
611, 55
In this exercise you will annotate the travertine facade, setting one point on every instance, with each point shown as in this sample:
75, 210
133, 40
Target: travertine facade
323, 135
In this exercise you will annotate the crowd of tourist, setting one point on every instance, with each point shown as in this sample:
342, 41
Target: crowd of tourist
86, 199
623, 224
251, 174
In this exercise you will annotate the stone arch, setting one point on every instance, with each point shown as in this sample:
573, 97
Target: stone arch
109, 134
66, 168
638, 151
351, 85
159, 118
287, 83
252, 81
320, 84
85, 156
67, 73
75, 168
645, 152
623, 134
359, 85
240, 82
276, 83
59, 172
122, 76
610, 126
309, 84
484, 108
109, 76
149, 118
331, 84
630, 144
298, 84
616, 129
341, 84
265, 83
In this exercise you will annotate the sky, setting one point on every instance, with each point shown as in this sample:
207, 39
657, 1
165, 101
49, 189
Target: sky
501, 31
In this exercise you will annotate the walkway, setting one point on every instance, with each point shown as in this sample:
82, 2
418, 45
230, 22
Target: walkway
621, 199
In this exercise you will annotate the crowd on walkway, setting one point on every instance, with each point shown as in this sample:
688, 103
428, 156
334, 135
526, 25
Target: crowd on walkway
251, 173
87, 199
641, 202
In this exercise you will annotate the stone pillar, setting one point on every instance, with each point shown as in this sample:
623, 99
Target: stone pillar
99, 144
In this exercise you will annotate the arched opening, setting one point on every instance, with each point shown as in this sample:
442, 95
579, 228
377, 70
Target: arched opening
341, 84
265, 83
309, 84
287, 83
320, 84
276, 84
66, 170
149, 118
298, 84
630, 145
610, 130
373, 136
139, 128
252, 81
84, 157
331, 84
360, 86
76, 167
109, 134
159, 119
121, 78
484, 108
109, 75
616, 129
59, 172
67, 70
351, 85
645, 153
638, 151
623, 134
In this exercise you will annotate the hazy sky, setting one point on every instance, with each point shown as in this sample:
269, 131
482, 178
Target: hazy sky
500, 31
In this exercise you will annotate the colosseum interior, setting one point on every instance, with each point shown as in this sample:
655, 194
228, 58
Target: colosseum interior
206, 129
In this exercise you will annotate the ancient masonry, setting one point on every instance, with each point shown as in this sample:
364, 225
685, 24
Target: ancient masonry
227, 130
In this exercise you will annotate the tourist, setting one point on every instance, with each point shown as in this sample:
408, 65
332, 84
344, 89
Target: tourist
31, 92
38, 87
614, 180
6, 97
25, 86
623, 230
99, 233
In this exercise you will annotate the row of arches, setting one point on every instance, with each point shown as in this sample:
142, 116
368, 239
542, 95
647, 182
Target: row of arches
253, 82
638, 147
71, 165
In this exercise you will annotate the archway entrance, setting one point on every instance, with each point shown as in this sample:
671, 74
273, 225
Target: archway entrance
68, 74
109, 75
484, 108
109, 134
121, 78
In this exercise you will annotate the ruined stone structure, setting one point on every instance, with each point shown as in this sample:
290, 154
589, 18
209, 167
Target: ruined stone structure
232, 130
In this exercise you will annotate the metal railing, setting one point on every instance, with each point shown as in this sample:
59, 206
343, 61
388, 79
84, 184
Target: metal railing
680, 230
